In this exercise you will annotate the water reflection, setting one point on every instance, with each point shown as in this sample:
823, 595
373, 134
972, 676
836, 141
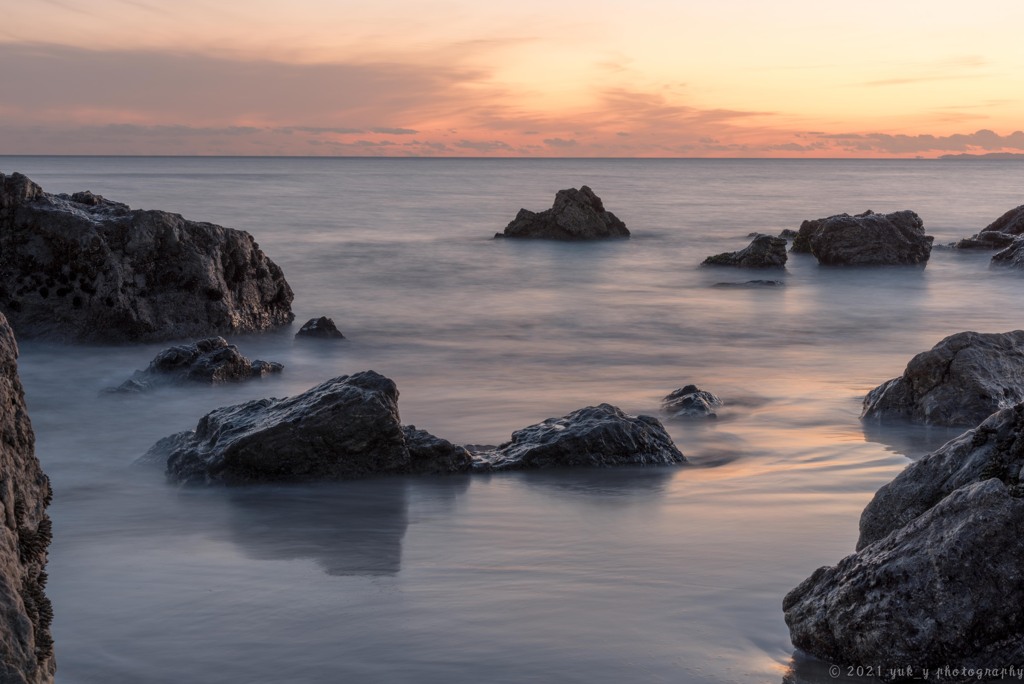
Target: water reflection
912, 441
620, 486
804, 669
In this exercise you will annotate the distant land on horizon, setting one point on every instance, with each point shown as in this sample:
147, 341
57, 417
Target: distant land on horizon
990, 155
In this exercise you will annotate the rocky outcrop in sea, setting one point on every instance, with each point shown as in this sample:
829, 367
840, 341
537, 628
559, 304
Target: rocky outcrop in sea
690, 402
81, 268
322, 328
764, 251
575, 215
26, 644
866, 239
960, 381
998, 234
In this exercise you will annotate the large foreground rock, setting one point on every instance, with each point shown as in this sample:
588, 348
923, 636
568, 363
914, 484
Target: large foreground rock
576, 215
83, 268
802, 238
592, 436
345, 428
960, 381
206, 362
866, 239
26, 645
764, 251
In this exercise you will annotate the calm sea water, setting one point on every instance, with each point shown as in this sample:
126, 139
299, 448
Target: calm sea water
649, 575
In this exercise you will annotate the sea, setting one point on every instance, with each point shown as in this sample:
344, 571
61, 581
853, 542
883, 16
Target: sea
660, 574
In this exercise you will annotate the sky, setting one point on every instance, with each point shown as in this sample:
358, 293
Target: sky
547, 78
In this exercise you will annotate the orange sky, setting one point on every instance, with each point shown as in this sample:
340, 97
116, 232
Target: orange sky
643, 78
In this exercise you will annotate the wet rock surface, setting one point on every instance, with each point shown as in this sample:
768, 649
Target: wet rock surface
211, 361
575, 215
1012, 256
764, 251
322, 328
802, 239
81, 268
690, 402
960, 381
873, 239
26, 643
998, 234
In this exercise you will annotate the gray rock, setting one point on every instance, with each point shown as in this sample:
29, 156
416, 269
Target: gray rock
320, 328
991, 240
592, 436
764, 251
345, 428
998, 234
960, 381
873, 239
788, 233
1012, 256
802, 239
691, 402
82, 268
752, 284
26, 644
211, 361
576, 215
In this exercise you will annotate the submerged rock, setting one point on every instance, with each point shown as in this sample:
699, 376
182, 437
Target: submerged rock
1012, 256
788, 233
960, 381
752, 283
345, 428
592, 436
576, 215
867, 239
691, 402
320, 328
763, 251
83, 268
208, 362
26, 644
998, 234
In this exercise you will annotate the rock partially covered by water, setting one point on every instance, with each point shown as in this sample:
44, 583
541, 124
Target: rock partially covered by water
763, 251
320, 328
993, 240
1012, 256
576, 215
84, 268
345, 428
998, 234
752, 284
26, 645
691, 402
211, 361
802, 239
871, 239
593, 436
960, 381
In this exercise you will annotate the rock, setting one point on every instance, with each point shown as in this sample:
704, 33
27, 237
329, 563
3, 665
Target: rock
690, 402
82, 268
998, 234
320, 328
208, 362
866, 239
576, 215
1011, 256
593, 436
802, 239
26, 644
753, 283
345, 428
992, 240
788, 234
960, 381
763, 251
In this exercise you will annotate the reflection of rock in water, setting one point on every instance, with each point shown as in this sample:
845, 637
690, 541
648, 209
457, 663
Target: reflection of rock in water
912, 441
349, 528
603, 486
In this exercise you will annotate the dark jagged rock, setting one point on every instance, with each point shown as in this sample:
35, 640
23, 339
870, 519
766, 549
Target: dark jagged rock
576, 215
752, 283
691, 402
764, 251
992, 240
83, 268
866, 239
320, 328
26, 644
593, 436
998, 234
1012, 256
960, 381
208, 362
345, 428
788, 233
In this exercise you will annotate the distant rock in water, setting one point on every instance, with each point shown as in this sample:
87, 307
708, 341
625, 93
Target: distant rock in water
345, 428
764, 251
81, 268
691, 402
207, 362
1012, 256
320, 328
576, 215
593, 436
960, 381
991, 240
788, 234
752, 283
26, 644
998, 234
866, 239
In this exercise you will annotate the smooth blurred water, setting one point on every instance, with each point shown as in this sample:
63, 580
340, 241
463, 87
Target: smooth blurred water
654, 575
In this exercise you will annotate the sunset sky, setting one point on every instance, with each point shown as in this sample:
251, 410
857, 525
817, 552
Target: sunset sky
566, 78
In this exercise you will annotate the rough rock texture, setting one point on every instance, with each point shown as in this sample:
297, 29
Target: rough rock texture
593, 436
576, 215
960, 381
788, 234
691, 402
83, 268
1012, 255
208, 362
802, 239
992, 240
320, 328
763, 251
872, 239
26, 646
345, 428
998, 234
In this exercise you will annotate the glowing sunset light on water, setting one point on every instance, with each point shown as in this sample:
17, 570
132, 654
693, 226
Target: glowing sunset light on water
454, 78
